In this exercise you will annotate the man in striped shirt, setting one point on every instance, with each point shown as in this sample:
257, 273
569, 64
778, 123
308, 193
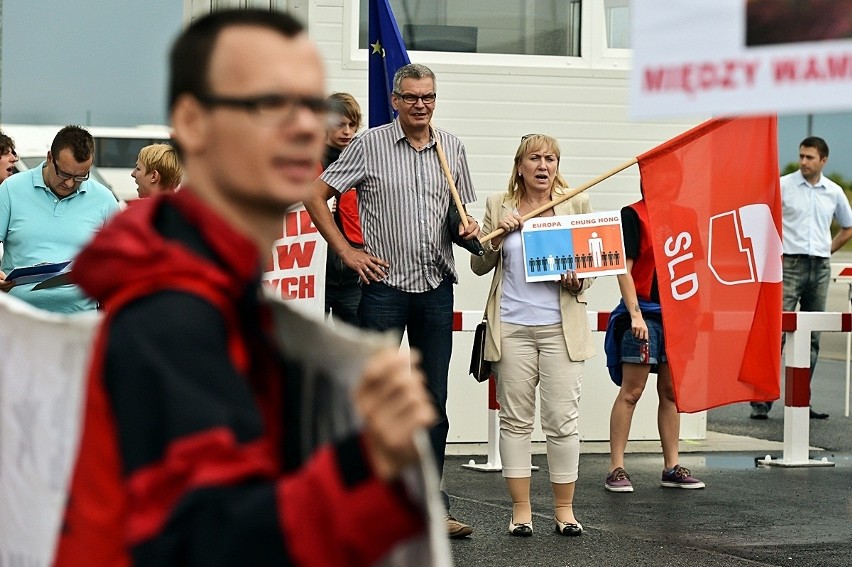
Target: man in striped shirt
406, 267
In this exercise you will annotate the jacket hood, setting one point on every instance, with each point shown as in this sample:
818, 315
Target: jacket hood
129, 253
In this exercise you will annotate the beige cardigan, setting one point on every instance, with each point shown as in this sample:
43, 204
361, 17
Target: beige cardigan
575, 324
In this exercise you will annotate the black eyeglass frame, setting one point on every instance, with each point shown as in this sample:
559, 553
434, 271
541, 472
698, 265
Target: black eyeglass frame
409, 98
267, 104
66, 176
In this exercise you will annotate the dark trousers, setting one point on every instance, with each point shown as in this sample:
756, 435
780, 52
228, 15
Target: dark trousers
428, 318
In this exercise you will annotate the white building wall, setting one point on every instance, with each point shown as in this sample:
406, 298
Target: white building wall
489, 102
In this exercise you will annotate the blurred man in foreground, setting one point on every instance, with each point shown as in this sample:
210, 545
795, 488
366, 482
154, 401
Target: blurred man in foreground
191, 446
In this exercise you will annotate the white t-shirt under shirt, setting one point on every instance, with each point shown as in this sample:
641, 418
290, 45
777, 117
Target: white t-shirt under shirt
523, 303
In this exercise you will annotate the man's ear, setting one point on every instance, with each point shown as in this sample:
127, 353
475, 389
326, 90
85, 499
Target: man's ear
189, 121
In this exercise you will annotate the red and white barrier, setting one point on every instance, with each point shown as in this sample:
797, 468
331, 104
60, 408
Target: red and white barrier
797, 384
798, 326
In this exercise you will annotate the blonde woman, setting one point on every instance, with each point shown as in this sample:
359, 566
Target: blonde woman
538, 336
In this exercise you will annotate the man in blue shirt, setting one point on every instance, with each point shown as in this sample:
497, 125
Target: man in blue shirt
809, 202
47, 214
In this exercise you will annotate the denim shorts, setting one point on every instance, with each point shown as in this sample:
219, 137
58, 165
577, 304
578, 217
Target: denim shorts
630, 345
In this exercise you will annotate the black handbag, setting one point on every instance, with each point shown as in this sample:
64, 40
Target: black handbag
480, 368
453, 220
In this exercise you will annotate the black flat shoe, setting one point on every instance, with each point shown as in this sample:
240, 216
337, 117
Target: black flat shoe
566, 529
520, 530
818, 415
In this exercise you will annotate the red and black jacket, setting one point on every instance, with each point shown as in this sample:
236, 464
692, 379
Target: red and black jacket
188, 453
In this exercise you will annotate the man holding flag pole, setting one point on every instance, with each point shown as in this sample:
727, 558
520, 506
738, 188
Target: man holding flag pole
404, 197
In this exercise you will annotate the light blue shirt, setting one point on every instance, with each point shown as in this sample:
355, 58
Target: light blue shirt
36, 226
807, 214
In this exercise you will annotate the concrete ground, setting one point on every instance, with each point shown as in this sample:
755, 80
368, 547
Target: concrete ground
747, 515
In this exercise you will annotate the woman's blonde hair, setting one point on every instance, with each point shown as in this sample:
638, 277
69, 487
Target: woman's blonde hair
531, 143
163, 159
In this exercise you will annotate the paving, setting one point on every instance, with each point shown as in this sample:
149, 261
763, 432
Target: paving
747, 515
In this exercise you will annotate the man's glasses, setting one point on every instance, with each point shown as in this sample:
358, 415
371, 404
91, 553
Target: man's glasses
271, 108
66, 176
428, 98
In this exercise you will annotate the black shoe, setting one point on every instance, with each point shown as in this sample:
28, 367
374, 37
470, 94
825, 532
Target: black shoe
759, 410
520, 530
566, 529
817, 415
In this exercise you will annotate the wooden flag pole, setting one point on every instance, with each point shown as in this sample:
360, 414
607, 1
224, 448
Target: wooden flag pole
565, 197
442, 157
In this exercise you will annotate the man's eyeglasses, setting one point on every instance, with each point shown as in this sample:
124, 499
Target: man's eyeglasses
277, 108
428, 98
66, 176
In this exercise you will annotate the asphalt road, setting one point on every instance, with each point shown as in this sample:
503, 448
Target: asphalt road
746, 516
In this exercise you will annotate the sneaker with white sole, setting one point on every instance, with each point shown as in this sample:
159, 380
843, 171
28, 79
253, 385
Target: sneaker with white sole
618, 481
680, 477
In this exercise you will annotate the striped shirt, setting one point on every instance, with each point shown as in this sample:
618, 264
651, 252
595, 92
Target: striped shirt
403, 198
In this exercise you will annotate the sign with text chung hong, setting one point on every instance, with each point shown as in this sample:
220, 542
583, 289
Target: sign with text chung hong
739, 57
590, 244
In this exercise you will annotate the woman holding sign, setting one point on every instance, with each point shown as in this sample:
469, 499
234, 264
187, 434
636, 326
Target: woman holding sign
538, 335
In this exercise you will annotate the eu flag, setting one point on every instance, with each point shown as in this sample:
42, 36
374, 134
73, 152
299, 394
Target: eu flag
387, 54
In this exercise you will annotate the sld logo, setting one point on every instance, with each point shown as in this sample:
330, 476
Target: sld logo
745, 246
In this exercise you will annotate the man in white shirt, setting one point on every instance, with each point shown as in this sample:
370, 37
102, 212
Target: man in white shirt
809, 202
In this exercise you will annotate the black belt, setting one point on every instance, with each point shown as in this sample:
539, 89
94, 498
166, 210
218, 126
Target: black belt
803, 256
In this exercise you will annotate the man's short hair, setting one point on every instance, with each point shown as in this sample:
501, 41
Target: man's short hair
411, 71
77, 139
7, 144
189, 61
163, 159
345, 105
816, 143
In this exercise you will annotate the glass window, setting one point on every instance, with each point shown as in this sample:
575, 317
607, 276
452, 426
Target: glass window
120, 152
618, 24
524, 27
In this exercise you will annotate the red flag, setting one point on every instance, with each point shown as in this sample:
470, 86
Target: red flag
714, 205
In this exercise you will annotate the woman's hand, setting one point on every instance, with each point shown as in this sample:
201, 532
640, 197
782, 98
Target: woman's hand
571, 281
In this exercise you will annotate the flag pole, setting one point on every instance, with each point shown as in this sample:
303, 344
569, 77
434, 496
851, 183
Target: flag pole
442, 157
565, 197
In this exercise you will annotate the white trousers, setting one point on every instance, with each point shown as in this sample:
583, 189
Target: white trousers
537, 356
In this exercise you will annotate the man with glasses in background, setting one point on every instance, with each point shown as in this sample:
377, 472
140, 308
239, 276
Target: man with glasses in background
406, 265
48, 213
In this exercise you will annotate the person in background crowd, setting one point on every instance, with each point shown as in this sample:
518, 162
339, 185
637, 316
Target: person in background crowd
342, 284
809, 202
157, 170
8, 157
403, 198
635, 347
537, 335
48, 213
191, 446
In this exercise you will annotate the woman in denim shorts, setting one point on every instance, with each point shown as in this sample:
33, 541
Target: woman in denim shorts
635, 346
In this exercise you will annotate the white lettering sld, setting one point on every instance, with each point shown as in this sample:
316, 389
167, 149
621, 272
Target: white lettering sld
686, 284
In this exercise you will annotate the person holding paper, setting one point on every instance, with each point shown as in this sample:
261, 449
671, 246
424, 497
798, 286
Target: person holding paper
192, 446
48, 213
635, 347
537, 336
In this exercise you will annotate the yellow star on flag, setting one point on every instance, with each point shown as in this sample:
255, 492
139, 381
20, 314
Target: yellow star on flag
377, 48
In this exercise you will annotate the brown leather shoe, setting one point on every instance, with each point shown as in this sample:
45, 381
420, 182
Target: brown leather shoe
456, 529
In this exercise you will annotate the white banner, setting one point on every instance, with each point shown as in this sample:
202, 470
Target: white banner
296, 268
44, 357
732, 57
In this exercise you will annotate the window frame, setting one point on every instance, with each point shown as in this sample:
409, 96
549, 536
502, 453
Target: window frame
595, 55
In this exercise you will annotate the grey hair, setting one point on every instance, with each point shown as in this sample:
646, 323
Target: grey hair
411, 71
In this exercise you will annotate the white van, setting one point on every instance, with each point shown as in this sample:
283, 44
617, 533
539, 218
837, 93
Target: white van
116, 150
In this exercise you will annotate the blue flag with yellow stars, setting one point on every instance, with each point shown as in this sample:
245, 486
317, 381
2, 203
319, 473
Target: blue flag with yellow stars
387, 54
